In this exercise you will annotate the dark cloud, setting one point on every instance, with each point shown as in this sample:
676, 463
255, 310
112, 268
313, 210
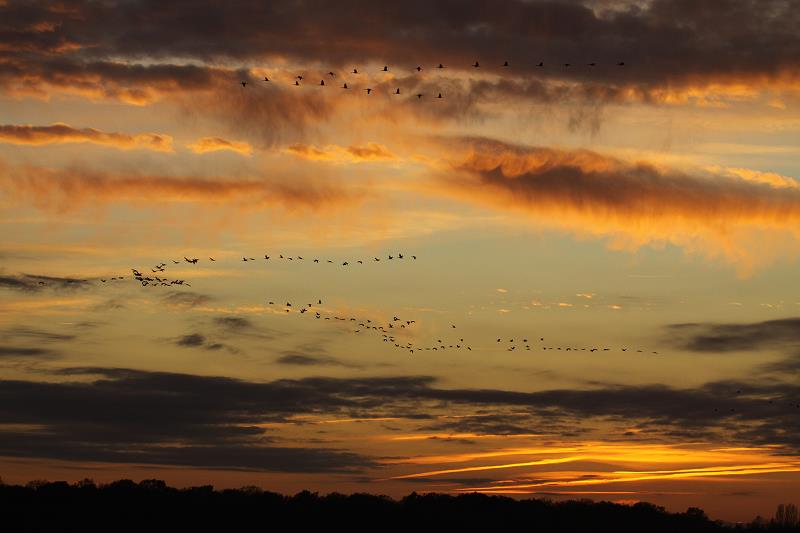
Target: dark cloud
193, 339
198, 340
302, 359
18, 351
674, 52
788, 366
34, 282
662, 42
138, 417
709, 337
185, 299
125, 415
38, 335
233, 322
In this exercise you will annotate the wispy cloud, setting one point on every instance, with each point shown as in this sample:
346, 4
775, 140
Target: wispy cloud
215, 144
60, 133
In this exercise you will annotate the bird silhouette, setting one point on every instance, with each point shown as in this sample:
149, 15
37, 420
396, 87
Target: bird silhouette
440, 95
541, 64
505, 64
266, 78
369, 90
355, 71
397, 91
385, 68
440, 66
322, 82
296, 82
344, 86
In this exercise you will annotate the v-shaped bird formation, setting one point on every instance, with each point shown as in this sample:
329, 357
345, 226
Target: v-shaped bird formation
365, 76
397, 332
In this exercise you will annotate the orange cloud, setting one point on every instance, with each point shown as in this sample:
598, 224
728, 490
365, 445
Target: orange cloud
213, 144
60, 133
338, 154
743, 216
62, 190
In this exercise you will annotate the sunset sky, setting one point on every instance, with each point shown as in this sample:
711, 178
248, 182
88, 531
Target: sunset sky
605, 255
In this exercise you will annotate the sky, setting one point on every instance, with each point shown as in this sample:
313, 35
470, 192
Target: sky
574, 276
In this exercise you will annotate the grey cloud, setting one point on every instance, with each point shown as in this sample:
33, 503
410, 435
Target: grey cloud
138, 416
35, 282
711, 337
193, 339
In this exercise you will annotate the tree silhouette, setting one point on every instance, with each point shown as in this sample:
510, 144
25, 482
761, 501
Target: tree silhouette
151, 504
786, 515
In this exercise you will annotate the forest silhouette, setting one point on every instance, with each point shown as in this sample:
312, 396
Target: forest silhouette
152, 504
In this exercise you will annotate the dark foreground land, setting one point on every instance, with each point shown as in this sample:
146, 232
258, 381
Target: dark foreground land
153, 506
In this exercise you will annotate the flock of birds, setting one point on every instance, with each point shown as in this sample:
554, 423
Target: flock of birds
331, 76
389, 331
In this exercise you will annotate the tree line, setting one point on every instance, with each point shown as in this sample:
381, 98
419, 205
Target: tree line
151, 503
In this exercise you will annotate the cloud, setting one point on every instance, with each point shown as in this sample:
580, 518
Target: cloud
60, 133
37, 335
67, 189
745, 221
193, 339
721, 41
18, 351
338, 154
124, 415
233, 323
710, 337
301, 359
132, 83
185, 299
35, 282
159, 418
213, 144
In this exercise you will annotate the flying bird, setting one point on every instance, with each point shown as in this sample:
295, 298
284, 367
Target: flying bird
505, 64
344, 86
385, 68
368, 90
244, 83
